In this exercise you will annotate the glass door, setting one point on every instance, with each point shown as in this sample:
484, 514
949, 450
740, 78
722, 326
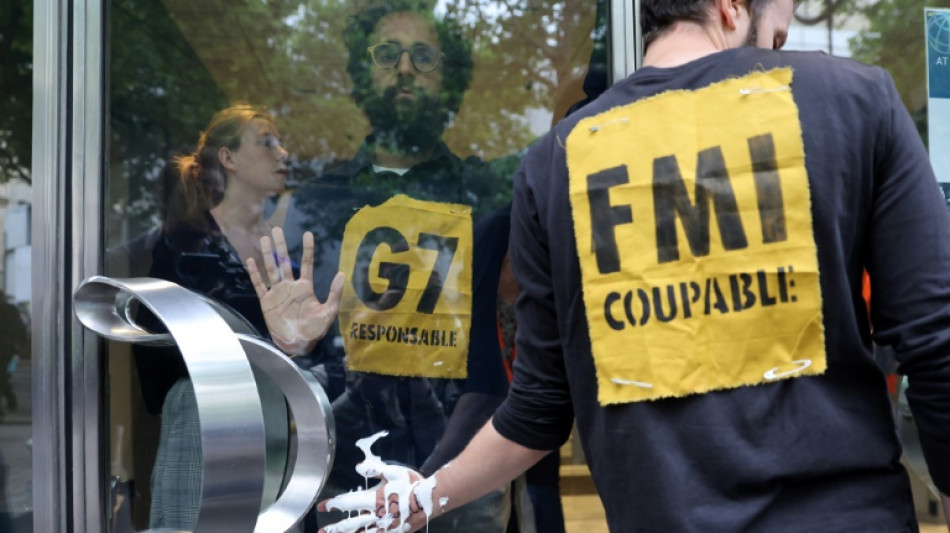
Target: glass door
391, 132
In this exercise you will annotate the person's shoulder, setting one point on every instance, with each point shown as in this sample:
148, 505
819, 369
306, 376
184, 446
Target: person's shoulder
839, 85
551, 146
837, 72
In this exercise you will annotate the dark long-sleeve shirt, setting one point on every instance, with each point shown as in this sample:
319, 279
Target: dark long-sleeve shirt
815, 452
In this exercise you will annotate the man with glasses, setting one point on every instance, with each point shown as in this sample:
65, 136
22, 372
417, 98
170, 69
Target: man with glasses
410, 71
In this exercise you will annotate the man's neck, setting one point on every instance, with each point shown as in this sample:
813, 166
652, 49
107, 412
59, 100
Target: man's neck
682, 43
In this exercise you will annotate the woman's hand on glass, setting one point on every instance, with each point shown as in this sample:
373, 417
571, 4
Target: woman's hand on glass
295, 317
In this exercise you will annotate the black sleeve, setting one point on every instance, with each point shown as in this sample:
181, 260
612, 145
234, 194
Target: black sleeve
537, 413
486, 371
909, 265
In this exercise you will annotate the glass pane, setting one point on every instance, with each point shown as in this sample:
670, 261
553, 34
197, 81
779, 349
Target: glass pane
16, 97
887, 34
391, 131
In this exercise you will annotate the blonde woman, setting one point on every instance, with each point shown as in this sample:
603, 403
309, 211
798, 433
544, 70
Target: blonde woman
213, 224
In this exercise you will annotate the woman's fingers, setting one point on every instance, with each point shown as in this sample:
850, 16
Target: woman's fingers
357, 501
259, 286
283, 258
351, 525
270, 265
336, 292
306, 261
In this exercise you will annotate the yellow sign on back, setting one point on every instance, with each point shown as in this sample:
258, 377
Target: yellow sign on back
692, 215
407, 304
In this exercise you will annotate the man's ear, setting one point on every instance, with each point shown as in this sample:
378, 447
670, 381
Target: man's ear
226, 158
728, 11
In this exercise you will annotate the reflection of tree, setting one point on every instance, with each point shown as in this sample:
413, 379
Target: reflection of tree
825, 13
16, 88
160, 98
173, 63
895, 40
286, 55
527, 54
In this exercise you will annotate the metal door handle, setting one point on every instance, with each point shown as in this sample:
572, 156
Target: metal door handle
218, 353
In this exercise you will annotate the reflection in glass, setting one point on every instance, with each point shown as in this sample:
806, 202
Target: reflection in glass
212, 221
15, 405
16, 410
361, 133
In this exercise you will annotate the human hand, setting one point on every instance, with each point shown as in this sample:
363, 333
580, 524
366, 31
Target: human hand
295, 317
402, 502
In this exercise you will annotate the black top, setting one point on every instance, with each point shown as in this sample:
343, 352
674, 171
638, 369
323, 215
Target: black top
202, 261
415, 411
815, 453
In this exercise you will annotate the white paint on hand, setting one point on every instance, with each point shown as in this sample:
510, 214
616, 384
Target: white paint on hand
398, 482
352, 525
353, 501
372, 465
293, 343
423, 494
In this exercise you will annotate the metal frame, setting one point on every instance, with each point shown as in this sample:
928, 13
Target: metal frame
626, 43
89, 425
68, 490
48, 262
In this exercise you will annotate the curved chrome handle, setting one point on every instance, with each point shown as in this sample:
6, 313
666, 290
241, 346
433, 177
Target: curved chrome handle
229, 409
311, 410
229, 406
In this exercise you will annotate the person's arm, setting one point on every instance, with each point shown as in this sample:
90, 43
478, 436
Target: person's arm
909, 263
468, 416
488, 462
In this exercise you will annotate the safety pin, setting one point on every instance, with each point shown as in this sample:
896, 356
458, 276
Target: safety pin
641, 384
598, 127
797, 366
753, 90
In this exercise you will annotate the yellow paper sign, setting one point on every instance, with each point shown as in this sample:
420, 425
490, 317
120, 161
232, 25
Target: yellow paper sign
693, 220
407, 303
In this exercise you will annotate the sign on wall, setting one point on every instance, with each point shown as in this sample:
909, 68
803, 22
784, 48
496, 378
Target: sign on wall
938, 90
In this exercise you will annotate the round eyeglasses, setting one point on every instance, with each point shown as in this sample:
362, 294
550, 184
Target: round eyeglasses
424, 58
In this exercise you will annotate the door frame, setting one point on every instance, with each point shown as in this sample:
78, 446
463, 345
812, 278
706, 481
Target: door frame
68, 482
70, 427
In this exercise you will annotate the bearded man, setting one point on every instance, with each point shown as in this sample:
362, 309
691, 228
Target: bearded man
398, 220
